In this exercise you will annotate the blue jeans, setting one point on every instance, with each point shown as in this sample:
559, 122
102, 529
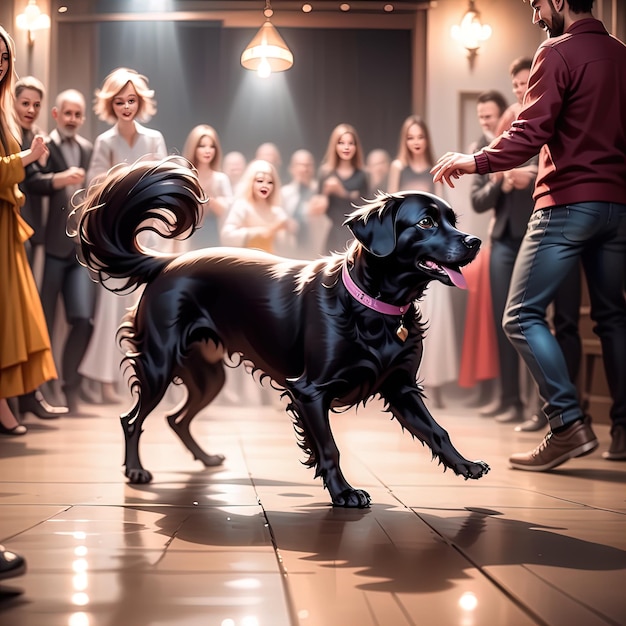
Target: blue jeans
556, 240
566, 306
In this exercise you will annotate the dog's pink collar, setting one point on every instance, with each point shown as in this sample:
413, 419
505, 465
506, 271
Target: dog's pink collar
368, 301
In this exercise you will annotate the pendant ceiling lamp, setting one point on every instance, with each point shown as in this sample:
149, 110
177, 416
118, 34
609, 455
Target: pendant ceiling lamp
267, 52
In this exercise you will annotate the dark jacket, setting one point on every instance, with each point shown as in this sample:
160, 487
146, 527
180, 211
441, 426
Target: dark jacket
39, 181
32, 209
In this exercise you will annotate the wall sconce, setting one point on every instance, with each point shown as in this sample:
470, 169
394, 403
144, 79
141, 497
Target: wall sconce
32, 19
267, 52
471, 32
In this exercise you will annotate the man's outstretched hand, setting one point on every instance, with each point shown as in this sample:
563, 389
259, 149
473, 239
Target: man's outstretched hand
453, 165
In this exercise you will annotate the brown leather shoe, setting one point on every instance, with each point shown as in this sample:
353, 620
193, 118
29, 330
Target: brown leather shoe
617, 450
576, 440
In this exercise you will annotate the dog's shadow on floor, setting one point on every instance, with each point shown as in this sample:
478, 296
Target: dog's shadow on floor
394, 549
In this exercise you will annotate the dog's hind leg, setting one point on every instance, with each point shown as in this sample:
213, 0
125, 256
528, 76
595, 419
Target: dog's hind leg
150, 379
203, 381
316, 438
407, 406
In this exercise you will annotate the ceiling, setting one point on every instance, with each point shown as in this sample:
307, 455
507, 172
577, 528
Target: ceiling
355, 6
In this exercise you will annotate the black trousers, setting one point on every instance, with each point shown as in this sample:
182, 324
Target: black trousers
68, 279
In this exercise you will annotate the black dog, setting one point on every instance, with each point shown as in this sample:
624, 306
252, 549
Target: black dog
329, 333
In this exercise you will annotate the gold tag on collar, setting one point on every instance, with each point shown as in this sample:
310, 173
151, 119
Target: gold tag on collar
402, 332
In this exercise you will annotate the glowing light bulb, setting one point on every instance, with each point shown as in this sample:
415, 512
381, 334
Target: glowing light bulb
264, 69
471, 33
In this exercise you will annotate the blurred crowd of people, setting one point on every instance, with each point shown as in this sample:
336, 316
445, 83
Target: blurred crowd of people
249, 206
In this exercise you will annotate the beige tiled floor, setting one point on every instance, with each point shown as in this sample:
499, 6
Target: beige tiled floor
255, 542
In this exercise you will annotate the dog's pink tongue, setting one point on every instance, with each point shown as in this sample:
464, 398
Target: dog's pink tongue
456, 277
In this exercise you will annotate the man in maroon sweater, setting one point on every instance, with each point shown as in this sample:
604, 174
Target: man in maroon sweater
574, 115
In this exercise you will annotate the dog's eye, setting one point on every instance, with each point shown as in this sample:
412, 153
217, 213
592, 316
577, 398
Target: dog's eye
427, 222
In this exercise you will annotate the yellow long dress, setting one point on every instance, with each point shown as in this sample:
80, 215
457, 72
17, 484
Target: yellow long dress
25, 357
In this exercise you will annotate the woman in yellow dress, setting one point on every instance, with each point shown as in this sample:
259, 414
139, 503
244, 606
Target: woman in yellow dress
25, 357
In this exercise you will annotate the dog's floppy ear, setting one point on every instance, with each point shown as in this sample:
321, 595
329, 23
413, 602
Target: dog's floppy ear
376, 231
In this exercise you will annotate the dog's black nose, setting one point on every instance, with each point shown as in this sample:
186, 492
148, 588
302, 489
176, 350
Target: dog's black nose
471, 242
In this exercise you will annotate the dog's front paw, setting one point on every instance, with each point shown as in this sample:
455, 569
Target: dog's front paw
352, 498
475, 469
138, 476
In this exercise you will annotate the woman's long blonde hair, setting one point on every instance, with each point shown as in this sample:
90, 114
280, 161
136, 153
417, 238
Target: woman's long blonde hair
8, 116
403, 150
193, 141
331, 158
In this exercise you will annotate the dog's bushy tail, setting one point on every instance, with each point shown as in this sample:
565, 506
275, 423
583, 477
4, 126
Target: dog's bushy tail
163, 197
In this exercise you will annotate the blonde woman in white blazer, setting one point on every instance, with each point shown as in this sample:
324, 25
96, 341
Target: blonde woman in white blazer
123, 99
